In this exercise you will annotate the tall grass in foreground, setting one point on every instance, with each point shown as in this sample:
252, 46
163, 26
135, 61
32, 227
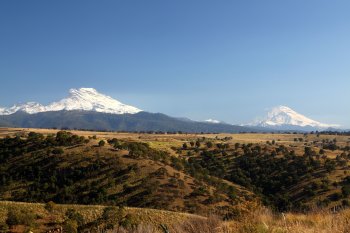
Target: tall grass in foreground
265, 221
262, 221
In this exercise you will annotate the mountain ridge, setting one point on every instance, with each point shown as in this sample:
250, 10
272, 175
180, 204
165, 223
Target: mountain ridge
85, 108
87, 99
83, 103
91, 120
285, 118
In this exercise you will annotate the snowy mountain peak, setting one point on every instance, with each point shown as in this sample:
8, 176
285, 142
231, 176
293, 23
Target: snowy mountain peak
212, 121
29, 107
283, 116
86, 99
82, 91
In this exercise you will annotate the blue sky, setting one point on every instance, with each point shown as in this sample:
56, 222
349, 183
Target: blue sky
227, 60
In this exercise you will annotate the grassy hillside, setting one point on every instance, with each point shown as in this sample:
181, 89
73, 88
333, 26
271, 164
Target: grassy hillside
230, 176
67, 168
289, 172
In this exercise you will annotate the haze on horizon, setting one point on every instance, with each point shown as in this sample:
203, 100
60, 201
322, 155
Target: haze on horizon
201, 59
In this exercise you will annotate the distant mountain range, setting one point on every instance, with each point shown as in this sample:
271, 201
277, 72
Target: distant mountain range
85, 108
285, 118
85, 99
91, 120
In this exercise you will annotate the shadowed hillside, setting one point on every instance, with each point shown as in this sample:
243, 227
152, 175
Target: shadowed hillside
142, 121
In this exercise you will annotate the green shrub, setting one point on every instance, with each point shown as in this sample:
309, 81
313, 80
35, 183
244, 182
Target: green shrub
113, 216
50, 206
20, 217
72, 214
130, 222
4, 228
57, 151
70, 226
101, 143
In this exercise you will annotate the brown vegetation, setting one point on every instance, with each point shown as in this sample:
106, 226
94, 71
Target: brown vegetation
260, 220
226, 176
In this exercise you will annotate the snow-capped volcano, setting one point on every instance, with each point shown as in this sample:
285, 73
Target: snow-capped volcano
86, 99
283, 117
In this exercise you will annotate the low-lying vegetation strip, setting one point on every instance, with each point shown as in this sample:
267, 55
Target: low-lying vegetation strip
85, 218
25, 217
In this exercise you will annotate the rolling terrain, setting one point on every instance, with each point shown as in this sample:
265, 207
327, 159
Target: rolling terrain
229, 175
66, 168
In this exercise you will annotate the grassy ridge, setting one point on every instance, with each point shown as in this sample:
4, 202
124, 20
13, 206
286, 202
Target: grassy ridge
260, 220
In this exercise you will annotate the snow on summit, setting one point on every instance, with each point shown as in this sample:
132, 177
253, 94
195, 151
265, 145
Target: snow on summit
29, 107
282, 115
89, 99
86, 99
212, 121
